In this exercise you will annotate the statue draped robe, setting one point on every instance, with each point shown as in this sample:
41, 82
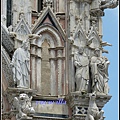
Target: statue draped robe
20, 70
99, 71
81, 63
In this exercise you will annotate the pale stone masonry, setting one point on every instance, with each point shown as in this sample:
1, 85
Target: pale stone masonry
64, 81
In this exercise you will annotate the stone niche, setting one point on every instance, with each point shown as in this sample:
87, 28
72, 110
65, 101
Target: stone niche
48, 65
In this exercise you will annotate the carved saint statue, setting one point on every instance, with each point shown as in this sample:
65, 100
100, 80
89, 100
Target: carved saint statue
81, 63
93, 112
99, 71
20, 66
23, 105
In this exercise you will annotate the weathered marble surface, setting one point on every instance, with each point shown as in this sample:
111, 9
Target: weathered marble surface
93, 112
99, 72
81, 63
20, 66
23, 105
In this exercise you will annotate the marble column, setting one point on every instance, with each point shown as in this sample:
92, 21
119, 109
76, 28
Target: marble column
87, 17
29, 15
72, 74
52, 70
100, 27
4, 8
59, 63
38, 67
72, 16
33, 62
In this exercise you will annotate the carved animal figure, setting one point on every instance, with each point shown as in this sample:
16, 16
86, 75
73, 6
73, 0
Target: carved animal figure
23, 105
93, 112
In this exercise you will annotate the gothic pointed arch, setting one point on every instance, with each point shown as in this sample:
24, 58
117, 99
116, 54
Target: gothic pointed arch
79, 36
48, 17
93, 38
53, 43
22, 29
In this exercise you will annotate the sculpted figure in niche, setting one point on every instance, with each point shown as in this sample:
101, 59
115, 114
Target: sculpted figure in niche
81, 63
99, 72
93, 112
20, 66
23, 105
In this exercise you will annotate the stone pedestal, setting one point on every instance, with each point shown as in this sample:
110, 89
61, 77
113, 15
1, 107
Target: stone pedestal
80, 103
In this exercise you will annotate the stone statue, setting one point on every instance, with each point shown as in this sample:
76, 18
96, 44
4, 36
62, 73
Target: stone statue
20, 66
99, 72
81, 63
23, 105
93, 112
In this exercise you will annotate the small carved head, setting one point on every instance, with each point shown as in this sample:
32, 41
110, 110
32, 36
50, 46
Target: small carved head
23, 97
3, 18
97, 52
92, 96
25, 44
81, 50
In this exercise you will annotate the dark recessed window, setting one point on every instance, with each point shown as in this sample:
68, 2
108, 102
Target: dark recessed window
9, 12
40, 5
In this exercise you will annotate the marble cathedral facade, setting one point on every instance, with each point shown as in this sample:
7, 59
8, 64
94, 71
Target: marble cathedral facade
56, 29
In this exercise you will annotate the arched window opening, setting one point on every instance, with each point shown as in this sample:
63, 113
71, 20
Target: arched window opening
40, 5
9, 13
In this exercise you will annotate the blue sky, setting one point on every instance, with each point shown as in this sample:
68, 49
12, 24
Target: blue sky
110, 34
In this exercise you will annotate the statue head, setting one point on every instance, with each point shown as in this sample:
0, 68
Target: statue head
81, 49
25, 44
3, 19
97, 52
23, 97
92, 96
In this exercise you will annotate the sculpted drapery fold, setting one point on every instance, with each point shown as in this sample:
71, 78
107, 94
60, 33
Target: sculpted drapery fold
81, 62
